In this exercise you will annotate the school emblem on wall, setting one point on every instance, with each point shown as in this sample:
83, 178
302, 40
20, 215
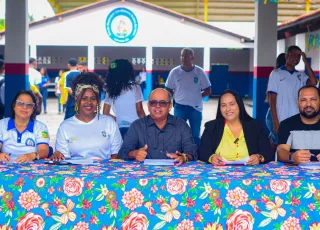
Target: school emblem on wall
121, 25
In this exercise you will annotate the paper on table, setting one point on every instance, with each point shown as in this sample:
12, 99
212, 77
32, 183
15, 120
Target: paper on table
310, 165
158, 162
80, 161
238, 162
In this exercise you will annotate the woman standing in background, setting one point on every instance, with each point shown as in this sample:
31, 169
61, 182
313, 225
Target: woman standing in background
57, 89
43, 86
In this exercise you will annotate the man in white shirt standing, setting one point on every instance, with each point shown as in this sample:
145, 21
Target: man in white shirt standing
35, 77
284, 84
188, 83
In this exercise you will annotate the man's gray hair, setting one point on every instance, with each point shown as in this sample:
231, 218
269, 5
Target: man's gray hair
169, 94
190, 51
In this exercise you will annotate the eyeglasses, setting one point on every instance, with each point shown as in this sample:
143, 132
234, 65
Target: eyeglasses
154, 103
22, 104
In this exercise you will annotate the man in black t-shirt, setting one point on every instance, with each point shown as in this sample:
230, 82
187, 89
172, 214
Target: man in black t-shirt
299, 135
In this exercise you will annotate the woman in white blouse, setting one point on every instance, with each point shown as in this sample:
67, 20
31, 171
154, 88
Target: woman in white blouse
88, 134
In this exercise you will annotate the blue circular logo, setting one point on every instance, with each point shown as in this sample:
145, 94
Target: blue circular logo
121, 25
30, 142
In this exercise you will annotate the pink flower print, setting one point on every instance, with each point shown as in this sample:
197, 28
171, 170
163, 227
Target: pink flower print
40, 182
311, 207
291, 223
132, 199
206, 207
81, 226
29, 200
185, 225
237, 197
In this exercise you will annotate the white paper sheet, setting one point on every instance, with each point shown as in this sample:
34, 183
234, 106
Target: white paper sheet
158, 162
238, 162
80, 161
310, 165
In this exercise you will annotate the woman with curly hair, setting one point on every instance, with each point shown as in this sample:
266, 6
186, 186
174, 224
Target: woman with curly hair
123, 94
88, 134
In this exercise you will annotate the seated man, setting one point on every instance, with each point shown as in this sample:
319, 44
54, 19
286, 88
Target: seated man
299, 135
159, 135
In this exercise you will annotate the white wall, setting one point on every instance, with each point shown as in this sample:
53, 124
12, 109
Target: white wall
155, 29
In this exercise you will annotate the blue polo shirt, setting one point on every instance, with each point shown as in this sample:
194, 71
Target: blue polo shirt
15, 143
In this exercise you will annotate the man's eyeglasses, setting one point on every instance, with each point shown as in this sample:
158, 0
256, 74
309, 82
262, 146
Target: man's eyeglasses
22, 104
154, 103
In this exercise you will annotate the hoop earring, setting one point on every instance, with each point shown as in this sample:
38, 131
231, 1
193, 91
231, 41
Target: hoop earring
76, 108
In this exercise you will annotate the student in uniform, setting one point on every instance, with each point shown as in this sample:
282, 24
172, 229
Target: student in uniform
123, 94
22, 138
88, 134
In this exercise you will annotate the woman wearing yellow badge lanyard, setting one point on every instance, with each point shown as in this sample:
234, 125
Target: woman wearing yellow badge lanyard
234, 135
88, 134
22, 138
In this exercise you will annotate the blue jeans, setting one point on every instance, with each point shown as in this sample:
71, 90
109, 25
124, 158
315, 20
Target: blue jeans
188, 113
269, 124
59, 105
44, 92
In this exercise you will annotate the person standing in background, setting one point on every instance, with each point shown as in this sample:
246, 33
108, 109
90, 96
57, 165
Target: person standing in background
43, 86
141, 78
83, 67
281, 61
57, 89
188, 83
74, 72
284, 84
123, 95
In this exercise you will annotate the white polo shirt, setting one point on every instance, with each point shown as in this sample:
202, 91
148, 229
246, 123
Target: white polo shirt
124, 107
15, 143
286, 85
98, 138
35, 77
188, 85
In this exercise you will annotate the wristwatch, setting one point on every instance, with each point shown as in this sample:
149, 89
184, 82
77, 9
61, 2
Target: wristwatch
37, 156
290, 157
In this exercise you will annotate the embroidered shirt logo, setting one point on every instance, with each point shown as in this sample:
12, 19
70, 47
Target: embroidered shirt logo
195, 80
30, 142
44, 134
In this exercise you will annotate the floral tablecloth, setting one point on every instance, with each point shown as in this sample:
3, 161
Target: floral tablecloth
129, 195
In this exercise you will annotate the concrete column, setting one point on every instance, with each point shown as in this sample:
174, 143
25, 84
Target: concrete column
301, 42
90, 58
281, 46
16, 49
265, 53
206, 65
149, 56
33, 51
